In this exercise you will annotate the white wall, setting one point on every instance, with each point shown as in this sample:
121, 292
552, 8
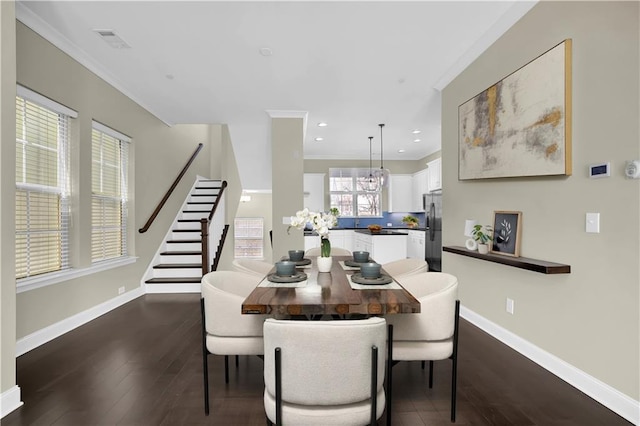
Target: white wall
589, 318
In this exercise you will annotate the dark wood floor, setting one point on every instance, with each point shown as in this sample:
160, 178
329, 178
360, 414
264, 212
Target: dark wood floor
141, 364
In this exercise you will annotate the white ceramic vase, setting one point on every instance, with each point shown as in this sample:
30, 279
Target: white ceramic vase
483, 248
324, 263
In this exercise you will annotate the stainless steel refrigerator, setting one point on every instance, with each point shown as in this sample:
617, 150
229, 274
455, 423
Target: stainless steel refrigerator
433, 241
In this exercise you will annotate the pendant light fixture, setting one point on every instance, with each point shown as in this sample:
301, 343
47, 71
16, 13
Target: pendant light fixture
382, 174
371, 183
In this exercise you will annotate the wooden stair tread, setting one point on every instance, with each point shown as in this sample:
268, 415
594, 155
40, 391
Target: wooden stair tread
177, 265
183, 241
176, 280
186, 230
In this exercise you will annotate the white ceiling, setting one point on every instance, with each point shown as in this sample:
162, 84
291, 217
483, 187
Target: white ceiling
351, 64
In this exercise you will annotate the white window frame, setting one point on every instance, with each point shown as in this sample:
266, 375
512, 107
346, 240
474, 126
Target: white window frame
61, 189
238, 238
43, 280
123, 147
355, 174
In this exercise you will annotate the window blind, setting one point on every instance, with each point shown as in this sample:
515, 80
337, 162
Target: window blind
109, 194
42, 186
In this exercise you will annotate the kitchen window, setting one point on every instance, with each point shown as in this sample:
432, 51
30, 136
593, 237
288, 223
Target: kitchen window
248, 237
347, 193
109, 188
42, 185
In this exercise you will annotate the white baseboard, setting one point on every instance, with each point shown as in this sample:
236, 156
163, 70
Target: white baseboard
9, 401
606, 395
49, 333
172, 288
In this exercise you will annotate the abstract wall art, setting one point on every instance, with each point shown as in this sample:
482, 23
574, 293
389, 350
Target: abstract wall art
520, 126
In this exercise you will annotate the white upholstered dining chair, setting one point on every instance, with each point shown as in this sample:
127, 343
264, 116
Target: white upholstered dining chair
335, 251
225, 331
324, 372
403, 267
258, 268
432, 334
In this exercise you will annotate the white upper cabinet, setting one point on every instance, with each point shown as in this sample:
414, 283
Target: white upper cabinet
401, 193
420, 186
313, 185
435, 174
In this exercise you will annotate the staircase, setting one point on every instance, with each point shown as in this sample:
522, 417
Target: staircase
177, 266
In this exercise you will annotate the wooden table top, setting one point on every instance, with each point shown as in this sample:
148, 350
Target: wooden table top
329, 293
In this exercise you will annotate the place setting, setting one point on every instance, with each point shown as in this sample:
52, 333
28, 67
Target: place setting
297, 256
359, 257
371, 277
286, 274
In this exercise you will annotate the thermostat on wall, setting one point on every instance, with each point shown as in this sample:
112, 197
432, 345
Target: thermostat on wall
600, 170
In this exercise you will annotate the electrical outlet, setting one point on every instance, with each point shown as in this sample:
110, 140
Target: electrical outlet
389, 224
120, 290
510, 304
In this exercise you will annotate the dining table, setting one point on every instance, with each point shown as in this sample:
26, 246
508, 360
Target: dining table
329, 293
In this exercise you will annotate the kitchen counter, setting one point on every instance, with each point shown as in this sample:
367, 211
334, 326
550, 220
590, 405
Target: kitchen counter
381, 233
388, 231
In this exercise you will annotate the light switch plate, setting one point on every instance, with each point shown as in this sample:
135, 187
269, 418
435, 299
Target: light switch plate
593, 223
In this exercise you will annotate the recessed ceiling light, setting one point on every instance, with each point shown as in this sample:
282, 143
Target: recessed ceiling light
416, 131
401, 151
265, 51
417, 140
322, 124
319, 139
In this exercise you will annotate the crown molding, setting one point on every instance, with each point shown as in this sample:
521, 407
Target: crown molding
506, 21
46, 31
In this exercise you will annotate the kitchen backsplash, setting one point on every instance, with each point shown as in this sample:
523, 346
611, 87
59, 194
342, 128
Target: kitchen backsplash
395, 219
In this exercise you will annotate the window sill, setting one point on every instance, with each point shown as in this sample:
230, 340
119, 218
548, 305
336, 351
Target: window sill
33, 283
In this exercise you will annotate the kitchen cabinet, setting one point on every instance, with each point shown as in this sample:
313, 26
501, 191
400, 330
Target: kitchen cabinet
420, 186
415, 244
338, 237
401, 193
313, 187
435, 174
382, 248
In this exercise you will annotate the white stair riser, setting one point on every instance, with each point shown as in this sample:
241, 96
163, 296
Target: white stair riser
176, 272
191, 235
207, 199
208, 190
193, 215
199, 208
210, 184
194, 226
184, 247
181, 258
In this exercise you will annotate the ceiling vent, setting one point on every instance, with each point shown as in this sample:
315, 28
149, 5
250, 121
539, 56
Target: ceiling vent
112, 39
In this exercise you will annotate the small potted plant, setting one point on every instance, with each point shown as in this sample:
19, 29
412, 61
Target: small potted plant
410, 221
482, 234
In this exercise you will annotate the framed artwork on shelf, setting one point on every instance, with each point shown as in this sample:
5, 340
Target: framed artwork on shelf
507, 227
520, 126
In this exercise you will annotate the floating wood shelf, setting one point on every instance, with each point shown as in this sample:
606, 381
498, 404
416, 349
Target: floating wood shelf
535, 265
